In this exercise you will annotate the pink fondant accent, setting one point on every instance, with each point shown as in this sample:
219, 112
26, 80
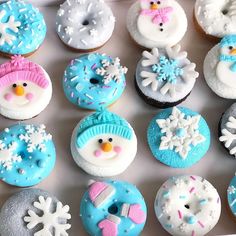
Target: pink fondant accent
192, 177
8, 96
158, 16
15, 76
29, 96
108, 228
95, 189
201, 224
136, 214
193, 233
97, 153
191, 190
117, 149
180, 214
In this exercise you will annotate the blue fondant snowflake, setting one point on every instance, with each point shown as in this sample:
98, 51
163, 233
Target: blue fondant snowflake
167, 70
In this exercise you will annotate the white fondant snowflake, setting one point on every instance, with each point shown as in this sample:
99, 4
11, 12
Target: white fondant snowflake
182, 227
61, 12
167, 69
231, 189
180, 132
111, 70
166, 208
227, 137
69, 30
50, 221
93, 32
35, 137
7, 156
5, 35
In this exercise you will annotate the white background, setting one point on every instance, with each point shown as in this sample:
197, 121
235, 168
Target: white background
68, 182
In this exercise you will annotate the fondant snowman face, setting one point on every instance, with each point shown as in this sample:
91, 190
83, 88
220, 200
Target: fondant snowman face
161, 20
226, 68
21, 95
108, 149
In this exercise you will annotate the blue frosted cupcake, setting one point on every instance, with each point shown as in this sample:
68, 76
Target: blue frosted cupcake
113, 208
231, 196
27, 155
178, 137
94, 80
23, 28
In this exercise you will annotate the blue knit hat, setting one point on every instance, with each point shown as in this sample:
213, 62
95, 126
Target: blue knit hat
228, 40
102, 122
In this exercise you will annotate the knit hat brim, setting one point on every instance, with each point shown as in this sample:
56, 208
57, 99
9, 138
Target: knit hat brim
84, 137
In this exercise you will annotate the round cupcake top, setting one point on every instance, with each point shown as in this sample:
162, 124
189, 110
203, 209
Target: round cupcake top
22, 28
103, 144
187, 205
85, 24
34, 212
216, 17
113, 208
166, 75
27, 155
231, 196
25, 88
94, 80
220, 67
156, 23
178, 137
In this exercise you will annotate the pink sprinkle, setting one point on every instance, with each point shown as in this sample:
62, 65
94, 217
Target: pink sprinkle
29, 96
117, 149
201, 224
97, 153
72, 94
8, 96
192, 177
191, 190
193, 233
180, 214
89, 103
93, 66
106, 86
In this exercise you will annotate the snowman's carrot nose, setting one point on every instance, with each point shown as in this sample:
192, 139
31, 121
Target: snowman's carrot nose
106, 147
154, 6
233, 51
19, 90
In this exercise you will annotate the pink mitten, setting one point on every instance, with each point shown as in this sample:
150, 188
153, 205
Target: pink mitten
109, 226
134, 212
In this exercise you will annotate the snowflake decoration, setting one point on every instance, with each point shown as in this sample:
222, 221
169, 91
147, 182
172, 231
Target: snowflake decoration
167, 69
49, 220
7, 157
6, 26
182, 227
69, 30
166, 208
35, 137
93, 32
227, 137
61, 12
111, 70
231, 189
180, 132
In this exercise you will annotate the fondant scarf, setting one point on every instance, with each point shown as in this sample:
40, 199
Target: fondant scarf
229, 59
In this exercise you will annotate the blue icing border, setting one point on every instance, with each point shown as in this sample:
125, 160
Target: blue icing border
170, 157
79, 90
231, 195
36, 165
124, 193
32, 31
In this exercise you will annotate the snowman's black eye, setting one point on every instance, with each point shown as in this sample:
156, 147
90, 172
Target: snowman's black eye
24, 84
158, 2
110, 140
100, 140
151, 3
231, 47
14, 85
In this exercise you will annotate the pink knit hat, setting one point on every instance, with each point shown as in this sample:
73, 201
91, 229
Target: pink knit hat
19, 68
99, 192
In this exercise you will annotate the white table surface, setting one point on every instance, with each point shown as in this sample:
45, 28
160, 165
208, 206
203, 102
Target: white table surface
68, 181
